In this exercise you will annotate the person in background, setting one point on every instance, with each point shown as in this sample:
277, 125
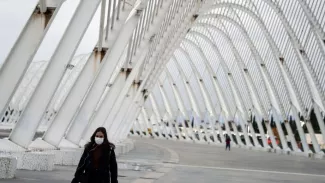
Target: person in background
98, 162
228, 142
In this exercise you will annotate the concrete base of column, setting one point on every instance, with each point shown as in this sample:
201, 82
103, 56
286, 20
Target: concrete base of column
68, 157
65, 144
38, 161
40, 145
8, 166
260, 148
319, 155
67, 153
305, 154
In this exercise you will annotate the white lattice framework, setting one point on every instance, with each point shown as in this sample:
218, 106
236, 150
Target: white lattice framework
188, 70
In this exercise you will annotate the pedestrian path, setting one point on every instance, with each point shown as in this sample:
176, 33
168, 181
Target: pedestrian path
143, 164
161, 161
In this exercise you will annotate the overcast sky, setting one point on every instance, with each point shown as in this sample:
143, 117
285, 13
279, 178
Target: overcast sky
15, 13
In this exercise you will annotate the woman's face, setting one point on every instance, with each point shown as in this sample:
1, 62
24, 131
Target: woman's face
99, 135
99, 138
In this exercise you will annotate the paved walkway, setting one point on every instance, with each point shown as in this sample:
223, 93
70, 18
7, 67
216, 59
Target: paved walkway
210, 164
163, 161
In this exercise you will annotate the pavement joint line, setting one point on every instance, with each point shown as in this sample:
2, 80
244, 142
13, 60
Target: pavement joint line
250, 170
174, 159
149, 178
143, 181
244, 170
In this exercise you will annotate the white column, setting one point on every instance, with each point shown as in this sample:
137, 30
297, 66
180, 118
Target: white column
143, 110
100, 115
313, 136
22, 53
26, 127
129, 121
300, 130
144, 124
92, 98
283, 139
117, 125
147, 124
320, 120
113, 126
244, 128
239, 142
252, 132
270, 132
61, 121
98, 86
171, 115
157, 112
77, 93
123, 94
180, 103
292, 137
222, 138
261, 129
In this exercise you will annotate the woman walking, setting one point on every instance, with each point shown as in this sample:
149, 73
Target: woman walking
98, 162
228, 142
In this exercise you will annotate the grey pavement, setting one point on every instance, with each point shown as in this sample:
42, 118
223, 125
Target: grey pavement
211, 164
141, 161
163, 161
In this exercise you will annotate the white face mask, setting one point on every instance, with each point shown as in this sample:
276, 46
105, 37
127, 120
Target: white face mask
99, 140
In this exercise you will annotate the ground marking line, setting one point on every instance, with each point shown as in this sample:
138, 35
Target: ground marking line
250, 170
237, 169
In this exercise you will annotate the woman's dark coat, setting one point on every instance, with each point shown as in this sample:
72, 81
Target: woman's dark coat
107, 165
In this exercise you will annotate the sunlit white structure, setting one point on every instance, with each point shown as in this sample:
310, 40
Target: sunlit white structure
186, 70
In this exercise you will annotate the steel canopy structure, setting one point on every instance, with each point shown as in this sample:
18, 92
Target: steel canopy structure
188, 70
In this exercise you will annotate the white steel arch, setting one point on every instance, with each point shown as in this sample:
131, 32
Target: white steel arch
189, 70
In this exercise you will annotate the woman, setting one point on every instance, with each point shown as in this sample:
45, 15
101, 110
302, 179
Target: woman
98, 162
228, 142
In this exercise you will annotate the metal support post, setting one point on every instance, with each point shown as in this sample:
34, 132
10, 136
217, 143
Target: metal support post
238, 138
313, 137
60, 123
98, 85
76, 95
244, 128
171, 115
148, 122
320, 120
157, 112
271, 134
22, 53
99, 115
261, 129
300, 130
92, 98
115, 125
252, 132
31, 117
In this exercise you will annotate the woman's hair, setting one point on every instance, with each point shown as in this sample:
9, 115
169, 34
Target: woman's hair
92, 138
